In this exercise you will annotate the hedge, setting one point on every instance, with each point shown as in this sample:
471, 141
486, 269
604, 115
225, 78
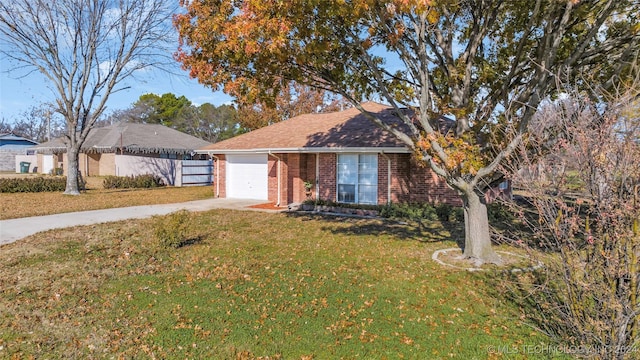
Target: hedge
132, 182
32, 184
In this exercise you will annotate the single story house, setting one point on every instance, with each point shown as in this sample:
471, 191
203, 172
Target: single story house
126, 149
13, 150
340, 156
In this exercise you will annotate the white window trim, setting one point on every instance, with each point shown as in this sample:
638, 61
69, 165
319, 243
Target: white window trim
357, 184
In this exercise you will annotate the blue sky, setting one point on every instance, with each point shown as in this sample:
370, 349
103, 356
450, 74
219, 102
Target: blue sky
20, 90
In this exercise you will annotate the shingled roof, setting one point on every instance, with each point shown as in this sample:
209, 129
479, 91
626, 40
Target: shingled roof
13, 141
327, 132
132, 138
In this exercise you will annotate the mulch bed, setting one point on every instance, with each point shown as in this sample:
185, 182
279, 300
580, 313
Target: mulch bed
268, 206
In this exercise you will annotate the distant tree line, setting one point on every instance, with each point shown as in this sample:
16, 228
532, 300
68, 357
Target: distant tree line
216, 123
208, 122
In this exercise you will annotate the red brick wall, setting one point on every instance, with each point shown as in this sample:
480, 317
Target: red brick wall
426, 186
302, 167
409, 181
294, 178
272, 173
309, 165
399, 178
383, 179
327, 176
295, 170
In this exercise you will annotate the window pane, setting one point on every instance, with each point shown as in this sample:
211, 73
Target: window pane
368, 179
347, 169
368, 194
346, 193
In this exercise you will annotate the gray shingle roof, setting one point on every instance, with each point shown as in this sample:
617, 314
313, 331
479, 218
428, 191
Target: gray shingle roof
131, 138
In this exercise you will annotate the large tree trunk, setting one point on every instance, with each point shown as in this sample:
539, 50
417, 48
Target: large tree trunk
477, 240
72, 187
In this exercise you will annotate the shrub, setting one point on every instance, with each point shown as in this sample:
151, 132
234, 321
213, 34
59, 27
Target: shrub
132, 182
409, 211
33, 184
56, 171
448, 213
171, 231
500, 213
322, 202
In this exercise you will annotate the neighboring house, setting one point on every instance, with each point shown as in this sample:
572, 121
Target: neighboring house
343, 155
12, 146
127, 149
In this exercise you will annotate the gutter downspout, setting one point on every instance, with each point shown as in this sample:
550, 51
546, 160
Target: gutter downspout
388, 176
279, 182
217, 160
317, 179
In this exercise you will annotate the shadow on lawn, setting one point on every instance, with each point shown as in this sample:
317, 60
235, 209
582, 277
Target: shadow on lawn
427, 232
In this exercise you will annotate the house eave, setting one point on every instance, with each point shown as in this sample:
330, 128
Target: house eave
49, 150
315, 150
97, 149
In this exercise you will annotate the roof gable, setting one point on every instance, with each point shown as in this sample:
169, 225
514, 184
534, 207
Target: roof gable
15, 140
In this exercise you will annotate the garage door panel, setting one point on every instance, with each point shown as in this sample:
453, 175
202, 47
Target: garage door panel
247, 177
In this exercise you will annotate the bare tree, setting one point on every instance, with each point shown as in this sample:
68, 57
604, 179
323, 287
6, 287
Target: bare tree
293, 99
85, 49
589, 220
38, 123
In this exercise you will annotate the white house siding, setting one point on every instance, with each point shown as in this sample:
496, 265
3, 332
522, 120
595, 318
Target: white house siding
170, 170
17, 159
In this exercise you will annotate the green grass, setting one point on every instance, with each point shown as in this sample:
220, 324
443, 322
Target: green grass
19, 205
254, 285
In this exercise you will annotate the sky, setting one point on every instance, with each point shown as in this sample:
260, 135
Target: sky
19, 90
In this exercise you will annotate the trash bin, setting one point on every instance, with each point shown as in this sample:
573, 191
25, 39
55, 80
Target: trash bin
24, 167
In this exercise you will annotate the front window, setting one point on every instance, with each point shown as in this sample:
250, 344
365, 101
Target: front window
358, 178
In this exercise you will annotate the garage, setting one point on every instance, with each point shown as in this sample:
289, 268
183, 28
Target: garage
247, 176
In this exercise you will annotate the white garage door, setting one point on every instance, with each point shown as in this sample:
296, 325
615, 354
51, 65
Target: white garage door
247, 176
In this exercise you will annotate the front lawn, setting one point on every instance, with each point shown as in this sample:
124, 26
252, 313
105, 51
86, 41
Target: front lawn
252, 285
18, 205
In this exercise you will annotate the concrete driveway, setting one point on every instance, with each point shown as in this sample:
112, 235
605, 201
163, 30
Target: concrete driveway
16, 229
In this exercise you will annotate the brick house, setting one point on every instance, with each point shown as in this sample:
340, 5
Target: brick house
343, 156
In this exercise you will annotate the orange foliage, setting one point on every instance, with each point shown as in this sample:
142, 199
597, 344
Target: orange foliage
461, 155
249, 46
